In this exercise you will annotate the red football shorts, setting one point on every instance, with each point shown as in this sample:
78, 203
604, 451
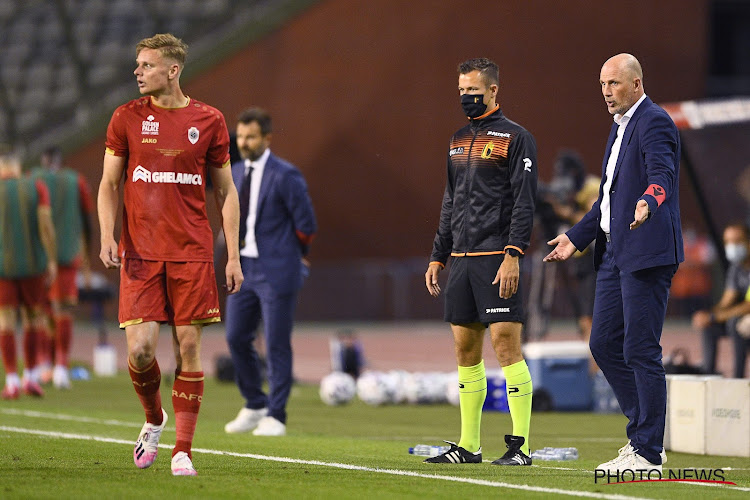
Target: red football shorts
30, 292
64, 288
178, 293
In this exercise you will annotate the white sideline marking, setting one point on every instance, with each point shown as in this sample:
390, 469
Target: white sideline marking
480, 482
72, 418
394, 472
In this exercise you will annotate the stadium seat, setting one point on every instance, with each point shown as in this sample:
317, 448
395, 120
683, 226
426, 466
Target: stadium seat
38, 70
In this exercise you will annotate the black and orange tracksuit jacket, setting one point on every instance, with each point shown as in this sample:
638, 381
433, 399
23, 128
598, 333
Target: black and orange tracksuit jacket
488, 203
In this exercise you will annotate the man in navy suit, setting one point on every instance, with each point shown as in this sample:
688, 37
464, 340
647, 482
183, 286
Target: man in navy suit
277, 224
636, 225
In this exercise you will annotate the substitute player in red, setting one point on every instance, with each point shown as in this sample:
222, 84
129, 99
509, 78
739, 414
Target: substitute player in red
165, 144
27, 265
70, 200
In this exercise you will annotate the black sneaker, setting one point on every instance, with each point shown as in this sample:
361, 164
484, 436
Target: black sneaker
514, 455
456, 455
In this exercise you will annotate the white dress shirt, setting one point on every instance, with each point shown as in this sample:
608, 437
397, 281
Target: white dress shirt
251, 245
622, 122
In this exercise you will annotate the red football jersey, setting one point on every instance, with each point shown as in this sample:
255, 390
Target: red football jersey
168, 153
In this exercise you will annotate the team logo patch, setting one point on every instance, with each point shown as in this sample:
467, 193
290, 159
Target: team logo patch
193, 135
487, 151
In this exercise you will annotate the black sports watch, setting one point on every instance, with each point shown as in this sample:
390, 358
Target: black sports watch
513, 252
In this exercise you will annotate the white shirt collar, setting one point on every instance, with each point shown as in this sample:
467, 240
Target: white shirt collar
625, 118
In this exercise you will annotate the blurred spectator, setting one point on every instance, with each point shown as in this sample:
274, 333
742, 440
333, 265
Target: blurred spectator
733, 307
562, 203
346, 353
691, 284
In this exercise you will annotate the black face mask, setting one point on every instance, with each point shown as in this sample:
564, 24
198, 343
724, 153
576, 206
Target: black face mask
473, 105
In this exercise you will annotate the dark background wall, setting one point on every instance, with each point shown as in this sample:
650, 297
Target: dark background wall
363, 96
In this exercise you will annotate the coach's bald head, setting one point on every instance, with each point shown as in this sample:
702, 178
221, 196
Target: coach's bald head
621, 80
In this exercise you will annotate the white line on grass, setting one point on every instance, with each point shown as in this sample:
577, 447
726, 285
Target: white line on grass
394, 472
480, 482
71, 418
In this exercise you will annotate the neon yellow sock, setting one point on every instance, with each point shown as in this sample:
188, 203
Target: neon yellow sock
518, 384
472, 390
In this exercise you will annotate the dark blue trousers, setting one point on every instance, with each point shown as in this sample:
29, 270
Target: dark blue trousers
244, 310
629, 310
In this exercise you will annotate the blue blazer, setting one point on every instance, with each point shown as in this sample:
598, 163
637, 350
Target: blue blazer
284, 226
648, 168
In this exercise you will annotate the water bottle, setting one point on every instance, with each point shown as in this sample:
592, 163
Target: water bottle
426, 450
549, 453
79, 373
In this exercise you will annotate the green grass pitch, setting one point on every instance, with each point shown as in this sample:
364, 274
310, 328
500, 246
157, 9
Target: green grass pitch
352, 451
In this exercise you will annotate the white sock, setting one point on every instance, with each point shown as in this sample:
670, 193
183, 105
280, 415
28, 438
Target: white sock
12, 380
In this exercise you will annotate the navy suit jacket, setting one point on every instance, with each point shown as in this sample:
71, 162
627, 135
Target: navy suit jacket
284, 226
647, 168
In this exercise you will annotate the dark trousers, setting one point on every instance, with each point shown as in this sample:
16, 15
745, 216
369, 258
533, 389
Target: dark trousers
711, 337
629, 310
244, 310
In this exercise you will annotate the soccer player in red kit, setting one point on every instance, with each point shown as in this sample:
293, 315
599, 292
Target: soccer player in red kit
165, 144
27, 264
71, 206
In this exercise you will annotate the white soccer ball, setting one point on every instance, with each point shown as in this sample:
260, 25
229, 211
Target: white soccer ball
451, 388
417, 390
337, 388
396, 380
436, 385
374, 389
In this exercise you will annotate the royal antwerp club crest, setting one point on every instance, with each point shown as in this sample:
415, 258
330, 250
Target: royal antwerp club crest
193, 135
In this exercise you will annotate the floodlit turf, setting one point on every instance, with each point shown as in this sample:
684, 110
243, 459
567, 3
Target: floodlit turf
322, 441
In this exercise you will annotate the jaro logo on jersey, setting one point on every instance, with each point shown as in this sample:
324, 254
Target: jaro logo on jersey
149, 126
141, 174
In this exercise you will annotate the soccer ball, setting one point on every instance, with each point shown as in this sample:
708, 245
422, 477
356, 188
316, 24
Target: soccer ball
374, 389
396, 380
451, 388
417, 390
337, 388
436, 385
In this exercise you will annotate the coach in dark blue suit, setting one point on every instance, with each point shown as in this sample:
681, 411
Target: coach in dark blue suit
636, 225
277, 223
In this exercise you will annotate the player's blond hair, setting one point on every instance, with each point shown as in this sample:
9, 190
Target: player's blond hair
167, 44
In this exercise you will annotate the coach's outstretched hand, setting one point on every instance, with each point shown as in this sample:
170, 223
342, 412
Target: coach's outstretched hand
564, 249
641, 214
